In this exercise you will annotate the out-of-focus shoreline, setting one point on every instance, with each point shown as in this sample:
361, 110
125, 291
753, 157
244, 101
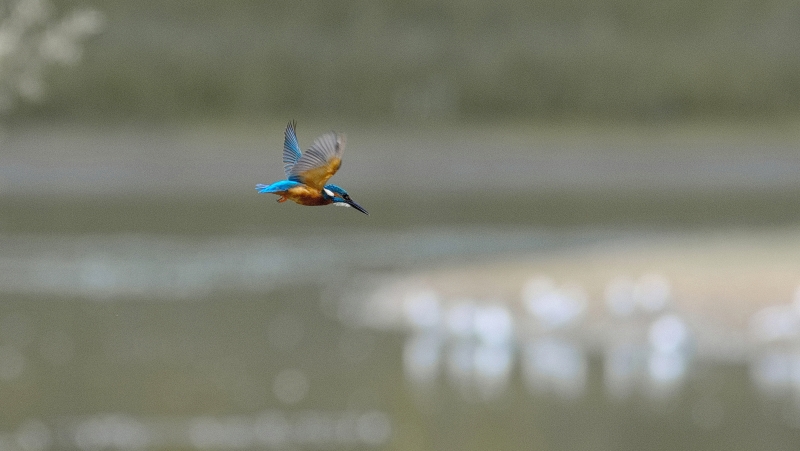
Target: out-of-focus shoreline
727, 285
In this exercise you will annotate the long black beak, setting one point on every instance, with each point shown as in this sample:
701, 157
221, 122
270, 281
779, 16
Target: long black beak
351, 203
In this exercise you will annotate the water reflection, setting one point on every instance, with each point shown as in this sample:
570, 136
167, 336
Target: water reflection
670, 351
776, 368
273, 372
555, 365
776, 373
421, 358
657, 363
645, 346
622, 368
473, 342
492, 368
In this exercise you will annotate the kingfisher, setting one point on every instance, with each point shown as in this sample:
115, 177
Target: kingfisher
306, 173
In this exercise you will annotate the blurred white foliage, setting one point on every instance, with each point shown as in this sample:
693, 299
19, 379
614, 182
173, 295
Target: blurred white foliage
553, 307
31, 38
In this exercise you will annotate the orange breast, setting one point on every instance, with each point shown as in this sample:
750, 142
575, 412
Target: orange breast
305, 195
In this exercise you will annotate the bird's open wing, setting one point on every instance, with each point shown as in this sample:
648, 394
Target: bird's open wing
291, 150
320, 161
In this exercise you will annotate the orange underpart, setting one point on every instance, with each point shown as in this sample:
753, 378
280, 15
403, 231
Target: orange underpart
306, 195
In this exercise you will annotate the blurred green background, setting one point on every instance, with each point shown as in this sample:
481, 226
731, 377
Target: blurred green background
150, 299
420, 60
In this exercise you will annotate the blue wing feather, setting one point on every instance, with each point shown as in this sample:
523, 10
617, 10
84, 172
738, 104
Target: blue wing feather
283, 185
291, 149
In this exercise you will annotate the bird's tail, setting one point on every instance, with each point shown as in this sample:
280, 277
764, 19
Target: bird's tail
261, 188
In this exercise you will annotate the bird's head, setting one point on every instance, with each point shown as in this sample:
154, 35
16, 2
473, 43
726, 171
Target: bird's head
340, 197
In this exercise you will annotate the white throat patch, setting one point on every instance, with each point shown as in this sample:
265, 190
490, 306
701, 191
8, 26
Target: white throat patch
341, 204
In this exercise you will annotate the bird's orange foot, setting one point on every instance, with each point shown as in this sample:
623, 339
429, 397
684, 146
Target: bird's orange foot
282, 199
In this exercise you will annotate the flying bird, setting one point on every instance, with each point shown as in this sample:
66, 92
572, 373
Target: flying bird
307, 173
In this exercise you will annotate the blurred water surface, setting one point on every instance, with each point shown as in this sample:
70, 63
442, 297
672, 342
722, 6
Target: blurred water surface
506, 292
